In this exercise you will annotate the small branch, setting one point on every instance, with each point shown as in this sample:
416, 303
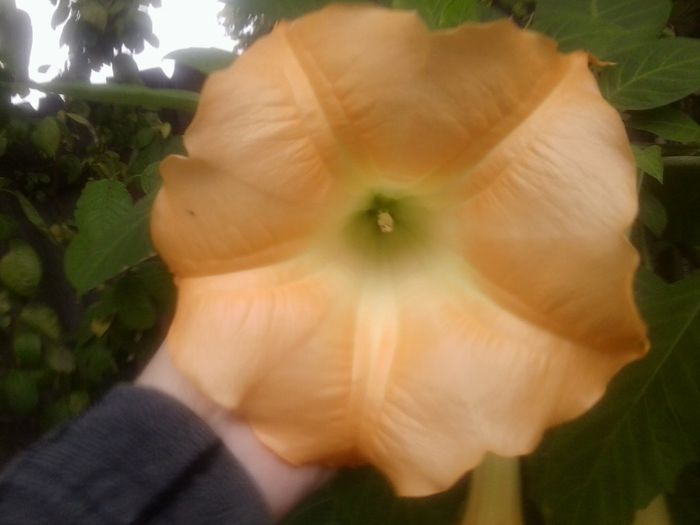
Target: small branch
682, 161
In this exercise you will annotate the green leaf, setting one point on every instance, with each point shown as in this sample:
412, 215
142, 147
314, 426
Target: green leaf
65, 408
60, 359
649, 161
27, 348
204, 59
95, 14
94, 363
157, 281
668, 123
652, 213
144, 137
29, 210
150, 178
20, 269
118, 94
442, 13
644, 16
71, 166
112, 235
362, 497
21, 391
46, 136
99, 316
653, 74
80, 119
42, 319
683, 502
78, 402
646, 428
574, 32
134, 307
601, 27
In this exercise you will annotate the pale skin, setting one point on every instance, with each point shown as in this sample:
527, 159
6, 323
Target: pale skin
281, 484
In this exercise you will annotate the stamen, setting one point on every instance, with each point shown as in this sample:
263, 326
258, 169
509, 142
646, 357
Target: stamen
385, 221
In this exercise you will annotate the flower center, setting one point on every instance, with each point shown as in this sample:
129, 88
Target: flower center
387, 227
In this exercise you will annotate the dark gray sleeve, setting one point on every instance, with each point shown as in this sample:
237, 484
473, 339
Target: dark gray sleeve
137, 457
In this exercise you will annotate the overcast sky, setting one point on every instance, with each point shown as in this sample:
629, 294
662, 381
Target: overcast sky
178, 24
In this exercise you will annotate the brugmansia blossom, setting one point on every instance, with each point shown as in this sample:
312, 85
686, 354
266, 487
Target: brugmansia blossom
402, 247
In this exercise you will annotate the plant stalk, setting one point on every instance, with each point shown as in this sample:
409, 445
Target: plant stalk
494, 493
656, 513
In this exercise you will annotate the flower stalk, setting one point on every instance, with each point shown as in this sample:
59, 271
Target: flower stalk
494, 493
656, 513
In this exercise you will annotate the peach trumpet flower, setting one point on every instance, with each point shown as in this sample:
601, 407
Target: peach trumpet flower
402, 247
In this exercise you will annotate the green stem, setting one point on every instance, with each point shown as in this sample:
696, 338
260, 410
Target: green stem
682, 161
638, 232
120, 94
494, 493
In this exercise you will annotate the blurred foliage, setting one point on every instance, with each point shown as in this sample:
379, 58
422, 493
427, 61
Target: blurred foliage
82, 299
84, 302
98, 31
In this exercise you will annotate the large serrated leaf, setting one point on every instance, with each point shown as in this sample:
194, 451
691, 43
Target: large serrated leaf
113, 234
574, 32
442, 13
653, 74
632, 445
668, 123
602, 28
647, 16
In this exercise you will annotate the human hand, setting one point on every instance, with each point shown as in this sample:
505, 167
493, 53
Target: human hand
281, 484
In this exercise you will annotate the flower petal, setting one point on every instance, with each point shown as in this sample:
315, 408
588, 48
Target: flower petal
257, 137
413, 102
419, 377
470, 377
544, 219
275, 344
